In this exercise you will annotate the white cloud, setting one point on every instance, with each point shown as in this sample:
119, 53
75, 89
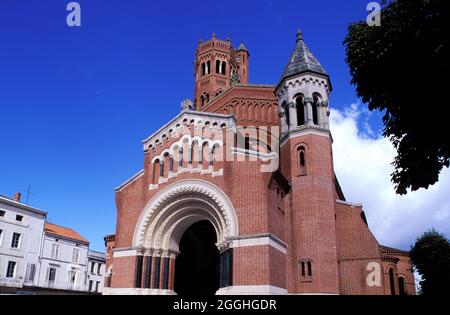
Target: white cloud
363, 166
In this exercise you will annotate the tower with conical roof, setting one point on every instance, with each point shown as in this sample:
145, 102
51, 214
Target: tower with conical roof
307, 163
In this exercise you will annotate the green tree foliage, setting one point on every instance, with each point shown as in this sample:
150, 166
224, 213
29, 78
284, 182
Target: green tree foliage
430, 255
401, 69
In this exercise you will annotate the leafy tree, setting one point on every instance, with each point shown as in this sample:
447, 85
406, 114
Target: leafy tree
430, 255
401, 69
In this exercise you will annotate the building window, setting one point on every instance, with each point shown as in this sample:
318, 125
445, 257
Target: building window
15, 242
92, 267
51, 277
302, 160
392, 280
218, 66
11, 270
72, 276
315, 109
19, 218
300, 106
31, 271
306, 269
224, 67
180, 152
171, 164
1, 237
55, 251
97, 285
203, 69
161, 168
402, 286
2, 213
75, 255
208, 67
99, 269
90, 285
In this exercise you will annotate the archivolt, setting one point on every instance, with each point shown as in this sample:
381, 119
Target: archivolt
172, 210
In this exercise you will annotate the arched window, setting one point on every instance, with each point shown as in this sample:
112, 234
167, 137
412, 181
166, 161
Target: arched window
224, 67
208, 67
161, 168
300, 106
286, 112
392, 280
315, 109
180, 161
171, 164
203, 69
191, 154
309, 268
301, 160
205, 154
402, 286
203, 100
218, 66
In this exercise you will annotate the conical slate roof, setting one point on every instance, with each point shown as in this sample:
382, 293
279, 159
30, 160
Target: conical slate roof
302, 60
242, 46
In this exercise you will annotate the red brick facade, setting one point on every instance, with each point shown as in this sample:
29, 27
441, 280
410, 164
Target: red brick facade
285, 231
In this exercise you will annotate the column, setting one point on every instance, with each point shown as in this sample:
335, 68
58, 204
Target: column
148, 271
226, 268
156, 271
292, 115
138, 273
324, 110
166, 271
309, 114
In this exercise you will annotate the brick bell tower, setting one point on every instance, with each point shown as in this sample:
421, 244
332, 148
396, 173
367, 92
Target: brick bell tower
218, 66
307, 162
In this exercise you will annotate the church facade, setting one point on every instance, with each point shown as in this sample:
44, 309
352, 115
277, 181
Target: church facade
238, 194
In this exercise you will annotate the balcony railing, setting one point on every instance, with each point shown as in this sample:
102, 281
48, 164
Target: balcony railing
63, 286
11, 282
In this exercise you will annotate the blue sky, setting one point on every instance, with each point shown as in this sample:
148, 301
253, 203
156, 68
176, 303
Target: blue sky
75, 103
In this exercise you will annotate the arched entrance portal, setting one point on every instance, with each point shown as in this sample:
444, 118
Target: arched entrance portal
183, 236
197, 265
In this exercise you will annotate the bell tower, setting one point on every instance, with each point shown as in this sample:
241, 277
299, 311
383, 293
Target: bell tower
307, 162
217, 67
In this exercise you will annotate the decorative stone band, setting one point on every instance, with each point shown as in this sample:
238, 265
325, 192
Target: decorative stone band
302, 131
259, 240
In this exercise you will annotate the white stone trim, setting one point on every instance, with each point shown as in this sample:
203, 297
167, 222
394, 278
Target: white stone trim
260, 241
182, 201
352, 204
251, 290
199, 118
303, 132
136, 291
125, 253
135, 176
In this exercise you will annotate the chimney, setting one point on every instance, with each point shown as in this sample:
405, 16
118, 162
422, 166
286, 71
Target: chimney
17, 196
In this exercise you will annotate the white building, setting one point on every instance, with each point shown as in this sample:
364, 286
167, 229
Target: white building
63, 259
96, 271
21, 230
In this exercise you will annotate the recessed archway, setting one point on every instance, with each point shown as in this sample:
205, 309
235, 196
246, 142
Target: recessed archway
197, 264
